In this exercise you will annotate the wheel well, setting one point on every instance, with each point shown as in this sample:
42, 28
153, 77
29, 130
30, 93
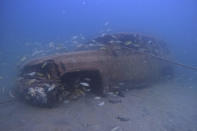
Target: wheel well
69, 78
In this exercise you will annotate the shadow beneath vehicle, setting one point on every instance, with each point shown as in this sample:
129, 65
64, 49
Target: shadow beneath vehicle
87, 81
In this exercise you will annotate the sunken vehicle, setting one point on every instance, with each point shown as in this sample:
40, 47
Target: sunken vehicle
96, 66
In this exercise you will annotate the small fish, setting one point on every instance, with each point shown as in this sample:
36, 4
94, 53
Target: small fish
47, 85
40, 74
115, 101
83, 38
31, 74
136, 45
44, 65
30, 82
120, 93
3, 90
124, 119
97, 98
150, 42
103, 48
103, 34
115, 128
66, 101
31, 91
156, 51
11, 94
23, 58
101, 104
51, 44
93, 41
49, 76
75, 42
87, 79
91, 44
84, 3
81, 92
121, 83
74, 37
1, 78
79, 45
111, 41
110, 93
84, 84
108, 30
36, 52
106, 23
117, 42
86, 89
51, 87
62, 66
128, 42
20, 78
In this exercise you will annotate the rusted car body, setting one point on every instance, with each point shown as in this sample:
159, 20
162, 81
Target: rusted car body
110, 59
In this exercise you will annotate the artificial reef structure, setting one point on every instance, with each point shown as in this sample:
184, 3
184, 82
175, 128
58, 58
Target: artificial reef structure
95, 66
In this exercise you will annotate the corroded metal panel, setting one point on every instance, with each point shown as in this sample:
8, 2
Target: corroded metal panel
111, 58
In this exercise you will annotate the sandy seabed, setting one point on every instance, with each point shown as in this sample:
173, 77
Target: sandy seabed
167, 106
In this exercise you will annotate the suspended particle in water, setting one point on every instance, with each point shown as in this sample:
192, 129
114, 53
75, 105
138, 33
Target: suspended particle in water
84, 2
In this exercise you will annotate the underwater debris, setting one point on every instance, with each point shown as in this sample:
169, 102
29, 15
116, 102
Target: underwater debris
95, 66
